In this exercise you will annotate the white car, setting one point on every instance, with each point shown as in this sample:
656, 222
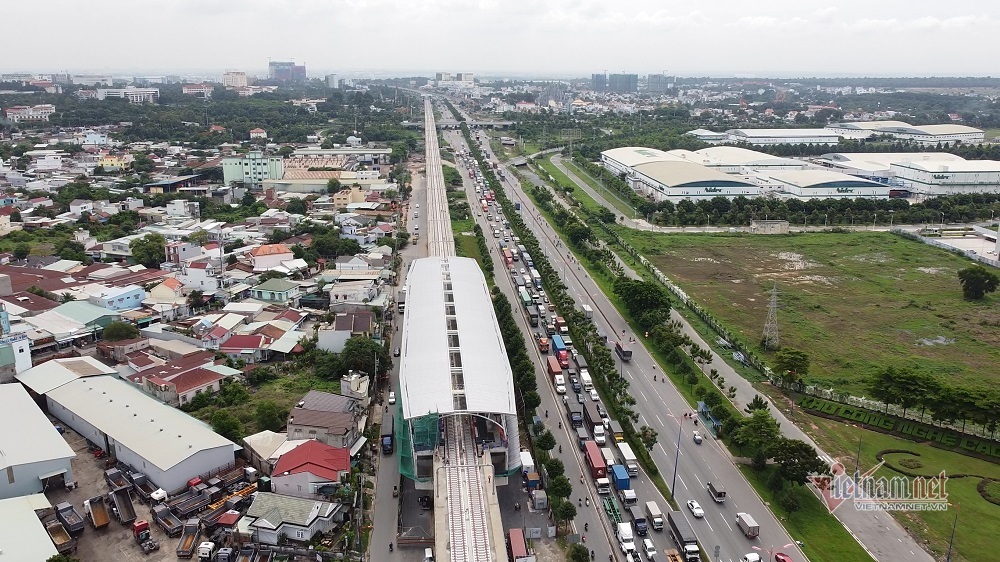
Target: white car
522, 271
594, 396
695, 508
648, 549
392, 397
418, 205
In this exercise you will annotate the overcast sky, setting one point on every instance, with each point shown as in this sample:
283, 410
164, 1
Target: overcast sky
506, 37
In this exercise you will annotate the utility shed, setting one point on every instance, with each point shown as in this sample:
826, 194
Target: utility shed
34, 454
167, 445
22, 534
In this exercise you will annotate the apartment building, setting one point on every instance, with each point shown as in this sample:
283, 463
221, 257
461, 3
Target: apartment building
19, 113
133, 95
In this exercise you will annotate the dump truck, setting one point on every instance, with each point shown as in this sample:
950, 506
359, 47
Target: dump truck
247, 554
144, 489
206, 551
167, 521
654, 515
121, 505
64, 543
143, 537
717, 491
195, 503
747, 525
69, 517
683, 534
189, 539
96, 510
115, 479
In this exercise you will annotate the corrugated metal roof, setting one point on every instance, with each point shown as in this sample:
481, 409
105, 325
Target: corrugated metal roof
35, 439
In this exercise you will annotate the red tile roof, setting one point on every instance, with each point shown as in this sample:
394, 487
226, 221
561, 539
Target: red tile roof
194, 379
172, 283
270, 250
239, 343
315, 458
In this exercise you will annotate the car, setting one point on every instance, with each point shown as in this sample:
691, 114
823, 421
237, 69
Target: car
648, 549
695, 508
392, 397
601, 411
782, 557
418, 205
580, 398
522, 271
575, 383
594, 396
751, 557
426, 503
396, 352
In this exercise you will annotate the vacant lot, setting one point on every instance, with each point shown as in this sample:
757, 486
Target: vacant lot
853, 302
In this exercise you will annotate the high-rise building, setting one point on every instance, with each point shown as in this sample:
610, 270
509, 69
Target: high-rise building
599, 82
464, 77
234, 79
658, 83
331, 80
252, 168
623, 83
282, 71
443, 77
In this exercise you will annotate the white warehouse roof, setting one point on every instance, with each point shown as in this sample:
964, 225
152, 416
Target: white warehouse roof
688, 174
867, 125
35, 439
162, 435
887, 158
782, 133
945, 129
452, 337
820, 178
966, 166
632, 156
739, 156
22, 534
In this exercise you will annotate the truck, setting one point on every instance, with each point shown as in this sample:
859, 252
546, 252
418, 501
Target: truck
629, 459
623, 351
588, 312
388, 438
582, 438
167, 521
60, 538
595, 422
144, 489
69, 517
683, 534
639, 521
574, 413
609, 456
628, 497
580, 360
401, 300
616, 430
552, 366
536, 278
559, 347
196, 503
619, 477
654, 516
595, 460
586, 380
189, 539
115, 479
143, 537
543, 344
561, 325
717, 491
626, 540
206, 551
96, 511
121, 506
747, 525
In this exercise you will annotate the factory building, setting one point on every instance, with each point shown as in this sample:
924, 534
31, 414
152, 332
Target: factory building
947, 133
877, 166
687, 180
764, 137
937, 177
805, 184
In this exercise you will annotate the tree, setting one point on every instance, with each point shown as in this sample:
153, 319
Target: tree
532, 400
789, 501
796, 460
648, 437
563, 511
117, 331
248, 199
232, 393
61, 558
360, 354
21, 251
297, 206
150, 250
560, 487
271, 275
196, 299
333, 186
578, 553
554, 467
791, 365
757, 403
200, 238
226, 425
15, 217
977, 281
546, 441
67, 297
269, 416
757, 431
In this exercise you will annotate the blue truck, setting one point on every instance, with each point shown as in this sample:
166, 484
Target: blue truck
619, 477
388, 434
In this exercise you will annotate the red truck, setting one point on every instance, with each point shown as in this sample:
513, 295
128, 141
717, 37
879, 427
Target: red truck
595, 460
554, 367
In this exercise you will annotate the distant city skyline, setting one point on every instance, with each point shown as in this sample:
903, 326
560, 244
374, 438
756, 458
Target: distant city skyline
560, 39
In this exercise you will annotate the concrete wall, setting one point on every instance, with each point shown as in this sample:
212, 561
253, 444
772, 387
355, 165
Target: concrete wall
25, 477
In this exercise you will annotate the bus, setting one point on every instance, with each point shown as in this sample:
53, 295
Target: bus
525, 298
537, 278
507, 257
517, 548
624, 353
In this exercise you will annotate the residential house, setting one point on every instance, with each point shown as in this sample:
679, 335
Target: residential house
273, 517
345, 326
250, 348
352, 292
258, 133
168, 300
201, 275
348, 196
310, 470
178, 390
263, 449
118, 298
281, 291
347, 263
178, 253
119, 350
269, 256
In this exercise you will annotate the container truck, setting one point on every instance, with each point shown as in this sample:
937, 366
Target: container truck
626, 539
586, 381
616, 430
747, 525
588, 312
595, 422
561, 325
69, 517
654, 516
629, 459
189, 539
574, 413
388, 434
401, 301
536, 278
96, 510
683, 534
580, 360
623, 351
717, 491
609, 456
619, 477
639, 521
595, 460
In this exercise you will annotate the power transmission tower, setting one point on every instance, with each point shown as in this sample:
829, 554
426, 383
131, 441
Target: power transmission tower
771, 340
570, 135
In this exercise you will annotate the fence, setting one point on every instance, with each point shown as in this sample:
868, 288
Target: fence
938, 244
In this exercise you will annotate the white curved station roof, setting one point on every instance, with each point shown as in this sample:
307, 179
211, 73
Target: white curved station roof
632, 156
739, 156
453, 358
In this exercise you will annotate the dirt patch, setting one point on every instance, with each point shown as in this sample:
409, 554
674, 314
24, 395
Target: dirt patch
931, 270
794, 261
940, 340
877, 257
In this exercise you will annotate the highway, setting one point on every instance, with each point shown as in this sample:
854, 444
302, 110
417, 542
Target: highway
661, 407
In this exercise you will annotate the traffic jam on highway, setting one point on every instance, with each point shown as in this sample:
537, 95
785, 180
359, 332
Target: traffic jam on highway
611, 462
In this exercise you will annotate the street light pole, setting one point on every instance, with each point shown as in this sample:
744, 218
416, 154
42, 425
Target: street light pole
951, 541
677, 458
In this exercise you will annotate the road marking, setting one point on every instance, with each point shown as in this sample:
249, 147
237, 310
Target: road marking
723, 517
643, 394
658, 419
709, 525
700, 483
681, 478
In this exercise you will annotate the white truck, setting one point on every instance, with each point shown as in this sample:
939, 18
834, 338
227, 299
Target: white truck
600, 437
628, 497
586, 381
654, 515
560, 382
625, 538
587, 311
629, 459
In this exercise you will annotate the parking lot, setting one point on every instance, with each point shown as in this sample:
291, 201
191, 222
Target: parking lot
115, 541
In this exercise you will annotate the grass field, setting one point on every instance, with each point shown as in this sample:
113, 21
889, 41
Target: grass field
853, 302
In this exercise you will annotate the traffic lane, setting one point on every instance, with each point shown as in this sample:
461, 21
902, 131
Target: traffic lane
589, 518
645, 364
